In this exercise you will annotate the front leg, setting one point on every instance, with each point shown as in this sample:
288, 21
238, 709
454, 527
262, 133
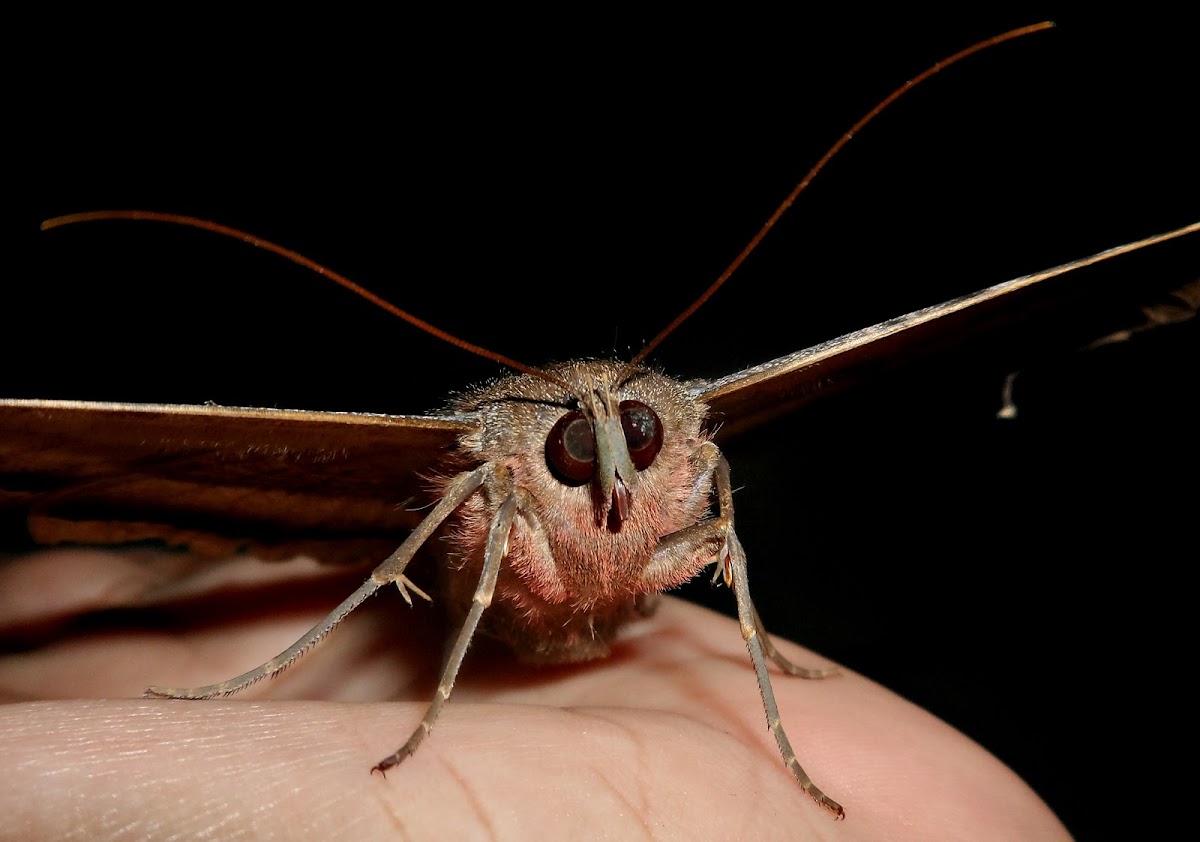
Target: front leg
717, 539
497, 547
391, 571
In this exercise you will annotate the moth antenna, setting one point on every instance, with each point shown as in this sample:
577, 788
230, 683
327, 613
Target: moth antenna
649, 347
307, 263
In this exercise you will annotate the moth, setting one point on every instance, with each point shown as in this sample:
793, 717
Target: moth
755, 400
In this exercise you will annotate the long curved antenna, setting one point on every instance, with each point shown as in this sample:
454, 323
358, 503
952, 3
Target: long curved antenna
804, 182
307, 263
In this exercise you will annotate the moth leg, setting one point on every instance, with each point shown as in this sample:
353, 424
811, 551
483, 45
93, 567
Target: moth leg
405, 584
703, 540
497, 546
733, 563
390, 571
725, 502
782, 662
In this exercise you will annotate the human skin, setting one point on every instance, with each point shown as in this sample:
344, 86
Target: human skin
665, 739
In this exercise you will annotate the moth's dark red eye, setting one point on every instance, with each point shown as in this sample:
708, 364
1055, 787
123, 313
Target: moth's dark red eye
571, 449
643, 433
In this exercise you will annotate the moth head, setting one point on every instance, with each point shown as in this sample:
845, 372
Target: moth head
606, 442
591, 449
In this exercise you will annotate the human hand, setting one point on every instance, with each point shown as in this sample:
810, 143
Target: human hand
664, 739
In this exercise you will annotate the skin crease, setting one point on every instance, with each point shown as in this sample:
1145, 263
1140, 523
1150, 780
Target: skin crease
663, 740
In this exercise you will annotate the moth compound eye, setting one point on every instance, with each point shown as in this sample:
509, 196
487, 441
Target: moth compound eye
571, 449
643, 433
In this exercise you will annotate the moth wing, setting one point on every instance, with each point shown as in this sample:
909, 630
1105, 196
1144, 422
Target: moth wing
1010, 322
340, 486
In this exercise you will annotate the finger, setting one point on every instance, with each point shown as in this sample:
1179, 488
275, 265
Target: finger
43, 589
386, 650
163, 768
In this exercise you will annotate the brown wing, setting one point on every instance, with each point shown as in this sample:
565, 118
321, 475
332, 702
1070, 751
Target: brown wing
1031, 311
276, 482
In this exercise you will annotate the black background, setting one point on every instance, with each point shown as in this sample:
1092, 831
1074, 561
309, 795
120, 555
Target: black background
565, 196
